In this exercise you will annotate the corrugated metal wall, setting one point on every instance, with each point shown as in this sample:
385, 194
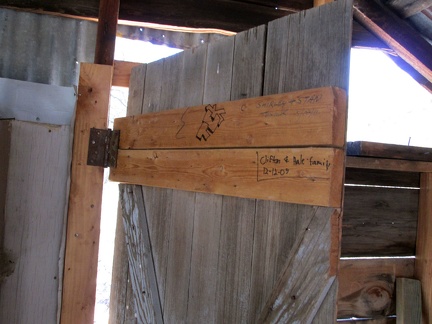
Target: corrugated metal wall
44, 49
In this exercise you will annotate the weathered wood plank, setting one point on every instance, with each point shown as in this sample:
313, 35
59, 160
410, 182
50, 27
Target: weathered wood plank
35, 218
190, 82
136, 90
423, 265
273, 174
389, 151
327, 312
408, 301
204, 296
379, 221
82, 245
5, 135
122, 73
295, 60
298, 295
367, 286
388, 164
382, 178
310, 117
141, 262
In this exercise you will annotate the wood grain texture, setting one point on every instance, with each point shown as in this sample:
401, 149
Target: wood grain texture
388, 164
298, 295
106, 31
408, 301
423, 268
303, 118
35, 217
389, 151
82, 237
242, 242
272, 174
136, 90
379, 221
367, 286
141, 262
122, 73
382, 178
5, 135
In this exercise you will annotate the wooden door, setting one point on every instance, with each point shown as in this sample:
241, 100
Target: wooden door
207, 258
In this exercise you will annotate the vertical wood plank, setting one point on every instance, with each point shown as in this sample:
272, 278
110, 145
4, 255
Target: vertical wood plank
408, 301
423, 263
85, 200
5, 133
203, 296
136, 90
307, 275
141, 263
35, 215
237, 223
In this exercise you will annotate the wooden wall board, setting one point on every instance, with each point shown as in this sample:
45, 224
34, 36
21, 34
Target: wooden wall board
382, 178
423, 268
408, 301
388, 164
273, 174
146, 293
389, 151
245, 242
35, 216
82, 237
5, 135
305, 118
379, 221
367, 286
297, 296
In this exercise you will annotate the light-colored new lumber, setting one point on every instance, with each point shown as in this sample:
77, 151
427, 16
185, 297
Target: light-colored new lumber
367, 286
423, 264
408, 301
272, 174
311, 117
122, 73
82, 238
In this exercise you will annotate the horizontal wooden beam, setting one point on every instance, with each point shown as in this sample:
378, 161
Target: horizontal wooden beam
367, 286
298, 175
304, 118
389, 151
388, 164
397, 34
122, 73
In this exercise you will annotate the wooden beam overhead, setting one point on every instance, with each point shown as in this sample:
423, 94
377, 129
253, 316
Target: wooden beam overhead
397, 34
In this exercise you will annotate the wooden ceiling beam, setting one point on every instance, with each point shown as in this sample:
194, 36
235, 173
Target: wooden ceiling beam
397, 34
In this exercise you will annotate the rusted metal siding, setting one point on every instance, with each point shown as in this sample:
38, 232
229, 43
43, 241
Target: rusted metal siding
44, 49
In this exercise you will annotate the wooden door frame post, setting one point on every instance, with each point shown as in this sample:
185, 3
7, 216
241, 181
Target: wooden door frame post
85, 199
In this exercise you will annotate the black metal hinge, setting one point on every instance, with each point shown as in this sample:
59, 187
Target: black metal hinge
103, 147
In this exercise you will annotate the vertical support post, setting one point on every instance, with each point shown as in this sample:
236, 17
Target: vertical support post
423, 263
106, 32
85, 199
